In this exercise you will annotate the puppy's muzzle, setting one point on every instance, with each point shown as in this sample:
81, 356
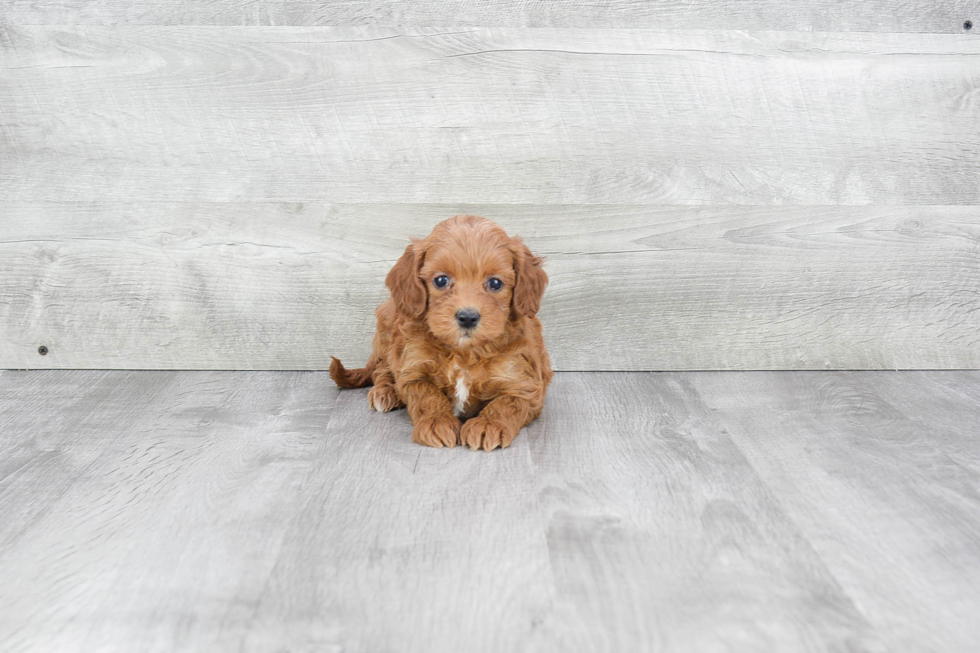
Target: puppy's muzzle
467, 317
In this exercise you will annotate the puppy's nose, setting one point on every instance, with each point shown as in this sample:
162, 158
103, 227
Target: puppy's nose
467, 317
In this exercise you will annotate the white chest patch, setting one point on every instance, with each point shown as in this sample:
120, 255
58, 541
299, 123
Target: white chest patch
462, 394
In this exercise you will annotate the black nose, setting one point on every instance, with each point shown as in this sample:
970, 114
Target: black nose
467, 317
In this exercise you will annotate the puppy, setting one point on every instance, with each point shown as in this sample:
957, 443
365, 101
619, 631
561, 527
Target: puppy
459, 342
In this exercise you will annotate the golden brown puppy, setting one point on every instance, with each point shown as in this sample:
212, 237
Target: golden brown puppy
460, 339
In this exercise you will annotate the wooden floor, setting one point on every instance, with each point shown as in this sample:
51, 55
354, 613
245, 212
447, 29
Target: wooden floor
267, 511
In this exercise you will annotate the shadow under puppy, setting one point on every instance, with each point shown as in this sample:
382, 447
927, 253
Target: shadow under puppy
459, 342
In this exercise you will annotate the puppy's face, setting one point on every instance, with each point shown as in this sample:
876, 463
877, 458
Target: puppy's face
467, 279
469, 285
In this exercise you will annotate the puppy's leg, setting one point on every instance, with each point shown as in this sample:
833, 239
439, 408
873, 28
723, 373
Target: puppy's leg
498, 423
382, 397
432, 415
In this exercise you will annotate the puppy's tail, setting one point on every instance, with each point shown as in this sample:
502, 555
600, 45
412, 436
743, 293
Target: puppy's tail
358, 378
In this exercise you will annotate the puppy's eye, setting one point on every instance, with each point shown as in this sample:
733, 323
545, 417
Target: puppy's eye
495, 284
441, 281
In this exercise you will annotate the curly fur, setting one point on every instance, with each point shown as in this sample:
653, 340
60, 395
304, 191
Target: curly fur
475, 387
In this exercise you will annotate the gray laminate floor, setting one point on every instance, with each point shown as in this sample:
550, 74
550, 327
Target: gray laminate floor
244, 511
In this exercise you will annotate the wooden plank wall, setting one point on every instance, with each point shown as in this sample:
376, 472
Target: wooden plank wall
716, 185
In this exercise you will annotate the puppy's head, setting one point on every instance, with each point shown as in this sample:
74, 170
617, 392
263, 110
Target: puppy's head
466, 280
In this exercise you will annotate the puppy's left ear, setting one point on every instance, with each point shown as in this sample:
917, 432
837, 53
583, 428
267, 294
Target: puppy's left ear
530, 280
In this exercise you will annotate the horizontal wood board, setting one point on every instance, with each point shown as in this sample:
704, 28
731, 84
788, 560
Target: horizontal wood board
194, 197
817, 15
501, 116
287, 285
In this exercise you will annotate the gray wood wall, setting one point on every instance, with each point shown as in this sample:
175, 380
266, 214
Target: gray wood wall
730, 185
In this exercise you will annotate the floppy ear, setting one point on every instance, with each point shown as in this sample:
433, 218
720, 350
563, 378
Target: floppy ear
530, 280
406, 287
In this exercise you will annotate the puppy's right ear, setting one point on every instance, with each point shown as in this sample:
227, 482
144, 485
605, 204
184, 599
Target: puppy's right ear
405, 285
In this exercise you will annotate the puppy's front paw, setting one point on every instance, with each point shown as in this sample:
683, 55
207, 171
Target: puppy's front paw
437, 432
383, 398
482, 433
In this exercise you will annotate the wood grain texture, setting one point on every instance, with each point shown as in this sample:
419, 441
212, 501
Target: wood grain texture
285, 286
818, 15
750, 512
488, 115
144, 511
402, 547
663, 538
882, 482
